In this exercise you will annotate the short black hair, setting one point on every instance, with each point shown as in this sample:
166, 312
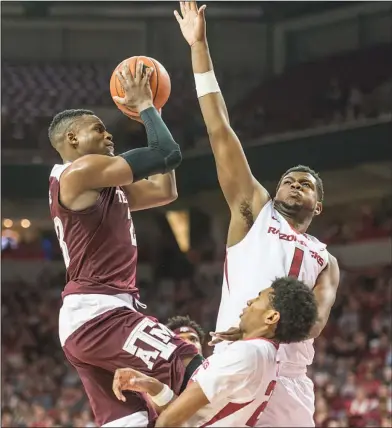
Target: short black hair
63, 120
297, 306
312, 172
184, 321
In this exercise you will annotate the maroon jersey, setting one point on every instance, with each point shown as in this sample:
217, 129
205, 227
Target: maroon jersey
98, 243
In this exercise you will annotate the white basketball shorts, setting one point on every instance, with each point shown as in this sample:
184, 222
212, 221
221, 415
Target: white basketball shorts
291, 404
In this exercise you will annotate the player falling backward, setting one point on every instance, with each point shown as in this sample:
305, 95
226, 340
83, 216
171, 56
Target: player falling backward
267, 237
91, 197
233, 387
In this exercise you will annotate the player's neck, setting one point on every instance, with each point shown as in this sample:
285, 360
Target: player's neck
69, 159
298, 220
300, 226
261, 332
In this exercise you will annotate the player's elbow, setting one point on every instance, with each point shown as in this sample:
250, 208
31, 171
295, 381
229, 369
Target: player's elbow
219, 131
173, 195
169, 196
317, 329
173, 158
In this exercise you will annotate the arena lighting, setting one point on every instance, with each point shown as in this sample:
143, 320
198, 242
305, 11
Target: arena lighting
25, 223
8, 223
179, 223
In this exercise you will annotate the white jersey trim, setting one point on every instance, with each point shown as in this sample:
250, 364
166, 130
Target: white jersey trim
58, 169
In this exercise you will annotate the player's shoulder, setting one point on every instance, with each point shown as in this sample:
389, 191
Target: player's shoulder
58, 170
315, 241
255, 349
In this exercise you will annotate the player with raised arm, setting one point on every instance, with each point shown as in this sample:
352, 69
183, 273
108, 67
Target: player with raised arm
232, 388
91, 197
267, 237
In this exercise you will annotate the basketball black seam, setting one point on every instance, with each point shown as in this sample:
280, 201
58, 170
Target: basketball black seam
116, 83
156, 71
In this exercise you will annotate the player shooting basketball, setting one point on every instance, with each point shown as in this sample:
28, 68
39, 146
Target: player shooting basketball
267, 237
91, 197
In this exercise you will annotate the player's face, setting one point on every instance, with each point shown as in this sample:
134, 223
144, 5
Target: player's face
298, 190
259, 316
193, 339
91, 137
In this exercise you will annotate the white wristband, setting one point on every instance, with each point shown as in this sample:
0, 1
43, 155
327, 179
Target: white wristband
206, 83
163, 398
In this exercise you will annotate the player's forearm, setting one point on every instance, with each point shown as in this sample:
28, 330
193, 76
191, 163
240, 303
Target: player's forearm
212, 105
201, 58
166, 187
162, 155
187, 404
155, 388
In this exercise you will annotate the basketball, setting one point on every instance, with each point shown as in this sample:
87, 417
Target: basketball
159, 82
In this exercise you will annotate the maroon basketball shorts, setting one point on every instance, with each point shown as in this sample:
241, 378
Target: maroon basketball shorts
125, 338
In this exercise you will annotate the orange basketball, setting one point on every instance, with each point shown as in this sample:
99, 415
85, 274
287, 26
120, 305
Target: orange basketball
159, 82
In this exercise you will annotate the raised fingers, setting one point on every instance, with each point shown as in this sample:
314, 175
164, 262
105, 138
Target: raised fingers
139, 71
116, 387
183, 9
193, 6
126, 72
178, 17
147, 74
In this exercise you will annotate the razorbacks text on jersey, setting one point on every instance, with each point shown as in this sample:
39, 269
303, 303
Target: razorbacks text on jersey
271, 249
238, 384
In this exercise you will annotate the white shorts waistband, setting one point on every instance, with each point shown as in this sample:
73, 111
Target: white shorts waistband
291, 370
77, 309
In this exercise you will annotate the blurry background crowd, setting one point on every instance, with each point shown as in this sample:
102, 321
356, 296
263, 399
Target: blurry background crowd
305, 82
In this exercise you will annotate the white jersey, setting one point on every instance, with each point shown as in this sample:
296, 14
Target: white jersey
238, 384
271, 249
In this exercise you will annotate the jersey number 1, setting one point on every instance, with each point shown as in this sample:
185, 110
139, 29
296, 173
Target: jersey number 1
296, 263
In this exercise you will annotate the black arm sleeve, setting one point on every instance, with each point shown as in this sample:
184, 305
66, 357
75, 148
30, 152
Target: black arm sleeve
162, 155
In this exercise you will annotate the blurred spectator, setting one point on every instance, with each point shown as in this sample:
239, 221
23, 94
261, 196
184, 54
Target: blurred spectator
334, 101
286, 100
354, 103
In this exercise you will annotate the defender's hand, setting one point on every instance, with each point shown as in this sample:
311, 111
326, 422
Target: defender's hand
132, 380
230, 335
192, 22
137, 91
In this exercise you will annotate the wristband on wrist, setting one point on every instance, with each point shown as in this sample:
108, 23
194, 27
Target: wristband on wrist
163, 398
206, 83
